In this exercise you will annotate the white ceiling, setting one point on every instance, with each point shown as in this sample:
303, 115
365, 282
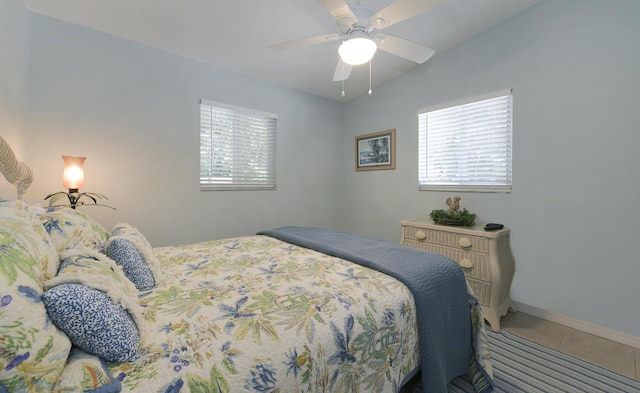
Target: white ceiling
235, 34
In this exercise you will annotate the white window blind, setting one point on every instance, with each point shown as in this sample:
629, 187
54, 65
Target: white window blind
237, 148
467, 146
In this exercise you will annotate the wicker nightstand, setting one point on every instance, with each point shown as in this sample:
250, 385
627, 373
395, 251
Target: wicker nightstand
484, 256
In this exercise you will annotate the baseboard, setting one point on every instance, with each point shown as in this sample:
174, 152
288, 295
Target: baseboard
609, 334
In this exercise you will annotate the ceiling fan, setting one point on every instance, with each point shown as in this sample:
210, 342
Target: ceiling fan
358, 30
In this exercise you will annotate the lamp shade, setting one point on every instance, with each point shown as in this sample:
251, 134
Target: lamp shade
73, 175
358, 50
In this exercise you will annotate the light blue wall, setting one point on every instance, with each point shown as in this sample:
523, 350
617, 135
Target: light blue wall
575, 72
573, 210
134, 112
14, 52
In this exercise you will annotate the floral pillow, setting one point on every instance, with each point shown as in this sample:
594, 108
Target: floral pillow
125, 230
92, 302
22, 220
71, 228
88, 374
89, 267
33, 351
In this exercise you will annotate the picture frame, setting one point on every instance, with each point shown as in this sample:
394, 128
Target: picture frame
376, 151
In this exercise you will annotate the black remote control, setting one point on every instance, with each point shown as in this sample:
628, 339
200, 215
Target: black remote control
493, 226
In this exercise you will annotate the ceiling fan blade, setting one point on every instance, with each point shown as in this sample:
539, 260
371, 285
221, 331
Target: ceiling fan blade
340, 10
403, 48
401, 10
319, 39
343, 70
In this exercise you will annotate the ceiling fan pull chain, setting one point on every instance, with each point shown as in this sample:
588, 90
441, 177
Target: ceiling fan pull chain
369, 77
342, 94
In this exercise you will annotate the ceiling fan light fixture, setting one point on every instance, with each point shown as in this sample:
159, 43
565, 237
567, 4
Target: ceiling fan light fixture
358, 50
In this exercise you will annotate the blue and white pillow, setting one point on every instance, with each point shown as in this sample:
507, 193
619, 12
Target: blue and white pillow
142, 246
99, 299
134, 265
93, 321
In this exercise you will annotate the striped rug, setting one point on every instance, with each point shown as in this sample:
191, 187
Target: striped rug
520, 365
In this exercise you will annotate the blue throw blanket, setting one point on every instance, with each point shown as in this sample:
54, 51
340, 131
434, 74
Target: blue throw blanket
436, 282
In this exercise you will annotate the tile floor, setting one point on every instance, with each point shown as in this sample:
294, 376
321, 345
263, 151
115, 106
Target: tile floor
605, 353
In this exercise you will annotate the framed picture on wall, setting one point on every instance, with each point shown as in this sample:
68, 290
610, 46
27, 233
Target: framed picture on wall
376, 151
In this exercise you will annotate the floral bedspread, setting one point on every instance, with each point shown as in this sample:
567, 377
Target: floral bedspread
257, 314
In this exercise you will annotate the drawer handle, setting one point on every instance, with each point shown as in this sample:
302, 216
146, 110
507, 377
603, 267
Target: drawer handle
465, 263
421, 235
464, 242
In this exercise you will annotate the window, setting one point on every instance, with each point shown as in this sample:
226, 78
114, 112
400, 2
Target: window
467, 146
237, 148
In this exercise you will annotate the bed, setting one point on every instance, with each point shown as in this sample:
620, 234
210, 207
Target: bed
292, 309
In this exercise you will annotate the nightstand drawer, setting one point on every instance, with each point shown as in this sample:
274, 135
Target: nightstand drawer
482, 290
480, 262
454, 240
